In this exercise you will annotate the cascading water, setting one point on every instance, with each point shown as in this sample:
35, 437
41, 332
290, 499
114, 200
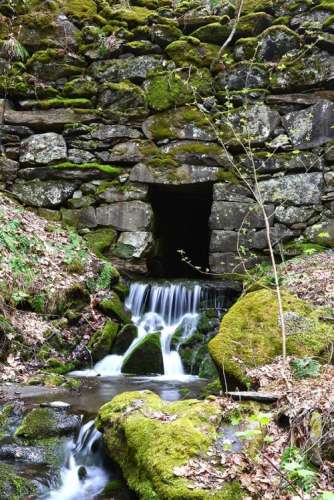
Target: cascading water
83, 475
163, 308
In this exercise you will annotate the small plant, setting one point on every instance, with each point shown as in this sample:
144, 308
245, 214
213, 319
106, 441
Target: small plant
106, 278
13, 50
305, 368
297, 468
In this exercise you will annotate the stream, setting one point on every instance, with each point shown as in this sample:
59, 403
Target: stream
86, 469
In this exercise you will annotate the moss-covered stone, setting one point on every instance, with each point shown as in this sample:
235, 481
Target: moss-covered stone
190, 51
107, 169
212, 33
101, 342
146, 358
148, 449
42, 423
100, 240
124, 338
114, 308
250, 335
54, 380
14, 487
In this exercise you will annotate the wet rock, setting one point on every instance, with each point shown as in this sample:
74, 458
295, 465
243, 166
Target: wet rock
230, 215
41, 149
102, 340
47, 422
231, 262
46, 194
310, 127
36, 455
146, 358
113, 307
299, 189
14, 486
125, 216
133, 68
124, 339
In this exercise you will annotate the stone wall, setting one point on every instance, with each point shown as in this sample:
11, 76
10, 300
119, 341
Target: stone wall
102, 100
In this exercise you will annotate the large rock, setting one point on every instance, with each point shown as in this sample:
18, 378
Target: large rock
227, 191
321, 233
112, 133
182, 123
42, 423
101, 342
138, 243
129, 192
46, 194
129, 152
204, 154
299, 189
146, 357
243, 75
132, 68
275, 42
250, 334
254, 124
125, 216
124, 339
41, 149
165, 435
281, 162
312, 126
293, 215
231, 215
186, 174
52, 119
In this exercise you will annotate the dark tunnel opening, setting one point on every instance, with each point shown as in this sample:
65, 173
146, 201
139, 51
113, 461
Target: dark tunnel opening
181, 222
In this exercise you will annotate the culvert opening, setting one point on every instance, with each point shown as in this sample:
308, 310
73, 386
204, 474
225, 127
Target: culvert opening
181, 222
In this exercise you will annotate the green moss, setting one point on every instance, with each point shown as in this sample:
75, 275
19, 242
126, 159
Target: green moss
100, 240
114, 308
60, 102
250, 6
133, 16
39, 423
107, 169
146, 357
246, 48
250, 336
59, 367
55, 379
212, 33
101, 342
148, 449
14, 487
190, 51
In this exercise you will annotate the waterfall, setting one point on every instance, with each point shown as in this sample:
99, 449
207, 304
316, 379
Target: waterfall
157, 308
83, 475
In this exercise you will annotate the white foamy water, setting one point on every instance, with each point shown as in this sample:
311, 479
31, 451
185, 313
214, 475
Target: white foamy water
156, 308
83, 460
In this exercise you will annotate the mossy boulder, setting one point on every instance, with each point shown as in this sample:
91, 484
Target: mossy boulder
42, 423
250, 334
124, 339
114, 308
14, 487
55, 380
191, 51
101, 342
146, 357
148, 449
